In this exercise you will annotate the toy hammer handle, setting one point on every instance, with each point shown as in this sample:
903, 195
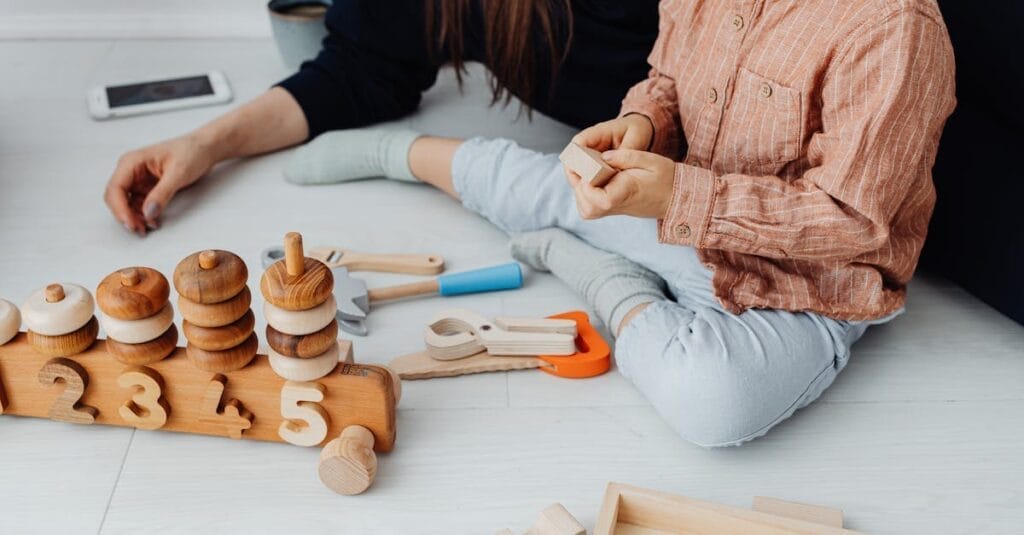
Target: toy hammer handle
502, 277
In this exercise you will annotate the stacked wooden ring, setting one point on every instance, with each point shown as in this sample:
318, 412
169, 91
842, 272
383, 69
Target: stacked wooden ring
10, 321
214, 302
300, 310
137, 316
60, 320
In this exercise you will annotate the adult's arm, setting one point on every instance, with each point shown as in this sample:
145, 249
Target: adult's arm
373, 67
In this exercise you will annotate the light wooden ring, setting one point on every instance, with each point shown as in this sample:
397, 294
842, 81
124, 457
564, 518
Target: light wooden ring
222, 280
133, 293
300, 322
61, 317
220, 338
225, 361
138, 331
216, 314
146, 352
302, 292
304, 346
10, 321
66, 345
294, 369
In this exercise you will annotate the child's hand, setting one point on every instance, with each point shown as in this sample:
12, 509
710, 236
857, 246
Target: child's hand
642, 188
633, 131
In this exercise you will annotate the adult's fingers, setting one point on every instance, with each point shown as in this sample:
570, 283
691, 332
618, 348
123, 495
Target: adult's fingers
629, 159
117, 196
161, 194
599, 137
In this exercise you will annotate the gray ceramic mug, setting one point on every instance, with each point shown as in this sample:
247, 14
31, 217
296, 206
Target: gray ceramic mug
298, 27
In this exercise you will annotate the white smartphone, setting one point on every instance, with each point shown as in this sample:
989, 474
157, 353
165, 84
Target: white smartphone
154, 96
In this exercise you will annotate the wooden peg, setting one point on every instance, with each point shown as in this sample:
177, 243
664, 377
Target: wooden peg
147, 352
216, 314
209, 277
305, 421
133, 293
296, 369
233, 418
66, 345
67, 314
54, 293
220, 338
147, 409
10, 321
556, 520
67, 407
348, 464
294, 258
224, 361
587, 163
304, 346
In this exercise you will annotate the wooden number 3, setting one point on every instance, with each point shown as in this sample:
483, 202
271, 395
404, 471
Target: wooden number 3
147, 409
66, 408
305, 421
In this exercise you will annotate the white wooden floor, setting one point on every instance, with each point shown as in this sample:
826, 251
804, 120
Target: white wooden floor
924, 432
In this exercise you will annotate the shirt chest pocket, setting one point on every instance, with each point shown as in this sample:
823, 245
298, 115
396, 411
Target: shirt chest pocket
762, 127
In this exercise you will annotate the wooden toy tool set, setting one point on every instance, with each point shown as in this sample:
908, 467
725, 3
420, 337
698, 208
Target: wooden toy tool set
304, 392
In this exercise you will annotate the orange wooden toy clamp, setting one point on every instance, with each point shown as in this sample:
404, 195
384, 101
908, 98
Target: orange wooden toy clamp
593, 356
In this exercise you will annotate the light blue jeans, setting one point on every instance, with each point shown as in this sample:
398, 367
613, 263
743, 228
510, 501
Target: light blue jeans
717, 378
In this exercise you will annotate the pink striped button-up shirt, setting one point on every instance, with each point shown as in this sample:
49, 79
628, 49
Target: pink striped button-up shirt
812, 128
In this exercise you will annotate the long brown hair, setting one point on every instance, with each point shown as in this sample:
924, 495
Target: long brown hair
509, 39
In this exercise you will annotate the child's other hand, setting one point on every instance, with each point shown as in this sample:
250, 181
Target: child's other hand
633, 131
642, 188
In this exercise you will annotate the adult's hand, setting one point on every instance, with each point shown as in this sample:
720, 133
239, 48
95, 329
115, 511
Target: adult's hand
633, 131
642, 187
146, 180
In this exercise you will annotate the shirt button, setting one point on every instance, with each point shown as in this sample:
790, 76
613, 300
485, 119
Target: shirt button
683, 231
737, 22
712, 95
766, 90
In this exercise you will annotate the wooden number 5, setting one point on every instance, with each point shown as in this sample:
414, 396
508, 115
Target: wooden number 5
235, 418
305, 421
66, 408
147, 409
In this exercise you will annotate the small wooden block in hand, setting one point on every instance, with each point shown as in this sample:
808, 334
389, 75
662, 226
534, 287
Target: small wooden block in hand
587, 163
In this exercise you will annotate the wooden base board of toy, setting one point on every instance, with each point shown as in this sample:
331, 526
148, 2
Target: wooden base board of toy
629, 510
173, 395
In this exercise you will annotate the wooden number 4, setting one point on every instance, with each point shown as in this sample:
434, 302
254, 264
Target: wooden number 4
66, 408
147, 409
305, 422
234, 418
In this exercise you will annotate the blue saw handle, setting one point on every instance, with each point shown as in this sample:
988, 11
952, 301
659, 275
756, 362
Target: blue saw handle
504, 277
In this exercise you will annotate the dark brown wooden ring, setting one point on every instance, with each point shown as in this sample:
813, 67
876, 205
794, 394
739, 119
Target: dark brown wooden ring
220, 338
303, 346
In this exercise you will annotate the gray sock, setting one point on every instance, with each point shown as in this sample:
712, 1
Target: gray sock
609, 282
344, 155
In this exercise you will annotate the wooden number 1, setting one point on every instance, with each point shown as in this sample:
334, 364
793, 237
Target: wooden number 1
234, 418
305, 421
147, 409
66, 408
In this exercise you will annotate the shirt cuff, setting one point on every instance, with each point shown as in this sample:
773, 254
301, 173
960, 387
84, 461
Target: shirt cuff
666, 136
689, 212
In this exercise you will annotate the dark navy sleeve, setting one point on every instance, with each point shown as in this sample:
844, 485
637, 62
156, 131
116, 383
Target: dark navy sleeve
373, 67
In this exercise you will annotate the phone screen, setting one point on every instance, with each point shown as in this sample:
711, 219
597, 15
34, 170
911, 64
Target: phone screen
157, 91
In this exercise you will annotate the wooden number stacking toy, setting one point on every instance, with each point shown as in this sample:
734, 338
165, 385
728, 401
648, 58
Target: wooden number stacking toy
218, 386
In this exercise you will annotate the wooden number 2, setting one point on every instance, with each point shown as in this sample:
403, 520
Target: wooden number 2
147, 409
66, 408
235, 418
305, 421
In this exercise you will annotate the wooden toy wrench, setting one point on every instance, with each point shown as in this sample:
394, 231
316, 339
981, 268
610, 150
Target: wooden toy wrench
354, 261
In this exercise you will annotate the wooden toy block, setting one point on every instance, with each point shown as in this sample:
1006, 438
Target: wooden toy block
139, 331
301, 322
633, 510
211, 276
587, 163
799, 511
296, 282
302, 346
556, 520
132, 293
58, 309
220, 338
64, 345
146, 352
311, 369
227, 360
347, 464
147, 409
10, 321
353, 394
216, 314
